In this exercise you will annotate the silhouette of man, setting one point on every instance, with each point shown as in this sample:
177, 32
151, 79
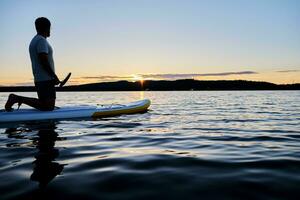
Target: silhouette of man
45, 79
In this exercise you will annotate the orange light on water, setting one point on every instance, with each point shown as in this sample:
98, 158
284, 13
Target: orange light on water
142, 96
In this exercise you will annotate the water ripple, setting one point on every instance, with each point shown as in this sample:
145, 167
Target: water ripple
190, 145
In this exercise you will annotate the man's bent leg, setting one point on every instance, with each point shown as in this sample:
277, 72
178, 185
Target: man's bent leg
47, 94
47, 105
43, 105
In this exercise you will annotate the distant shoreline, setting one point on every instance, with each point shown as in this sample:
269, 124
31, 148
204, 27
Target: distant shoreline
166, 85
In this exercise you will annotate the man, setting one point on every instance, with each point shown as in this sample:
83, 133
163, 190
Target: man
45, 79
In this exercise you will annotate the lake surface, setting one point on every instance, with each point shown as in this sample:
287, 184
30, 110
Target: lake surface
190, 145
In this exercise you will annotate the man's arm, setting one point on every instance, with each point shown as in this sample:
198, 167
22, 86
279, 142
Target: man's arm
43, 58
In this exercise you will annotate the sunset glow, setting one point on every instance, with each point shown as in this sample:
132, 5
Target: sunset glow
155, 40
137, 78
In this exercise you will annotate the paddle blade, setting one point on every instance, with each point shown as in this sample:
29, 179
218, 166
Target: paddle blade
62, 83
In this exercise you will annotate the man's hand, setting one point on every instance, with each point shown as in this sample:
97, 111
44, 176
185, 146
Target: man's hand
56, 80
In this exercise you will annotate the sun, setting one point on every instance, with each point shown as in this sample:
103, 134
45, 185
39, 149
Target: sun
137, 78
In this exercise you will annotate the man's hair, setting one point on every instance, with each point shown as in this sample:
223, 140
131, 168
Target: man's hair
42, 24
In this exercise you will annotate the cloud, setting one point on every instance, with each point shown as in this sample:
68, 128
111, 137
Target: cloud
161, 76
182, 76
21, 84
106, 77
170, 76
287, 71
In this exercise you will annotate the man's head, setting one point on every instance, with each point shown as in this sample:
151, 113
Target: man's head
42, 26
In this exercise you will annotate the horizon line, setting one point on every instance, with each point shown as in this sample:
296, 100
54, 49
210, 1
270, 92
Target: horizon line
135, 81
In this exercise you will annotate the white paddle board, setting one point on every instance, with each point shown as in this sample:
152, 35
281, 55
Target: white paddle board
69, 112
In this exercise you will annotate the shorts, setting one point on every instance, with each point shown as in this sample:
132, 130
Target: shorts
45, 90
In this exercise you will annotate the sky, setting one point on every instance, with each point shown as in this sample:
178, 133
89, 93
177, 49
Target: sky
108, 40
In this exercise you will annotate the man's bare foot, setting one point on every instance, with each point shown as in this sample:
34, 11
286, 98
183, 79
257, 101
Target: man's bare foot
12, 99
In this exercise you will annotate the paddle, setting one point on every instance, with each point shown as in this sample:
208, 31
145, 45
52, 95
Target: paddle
63, 82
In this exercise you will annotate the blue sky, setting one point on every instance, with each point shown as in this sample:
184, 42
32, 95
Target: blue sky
139, 38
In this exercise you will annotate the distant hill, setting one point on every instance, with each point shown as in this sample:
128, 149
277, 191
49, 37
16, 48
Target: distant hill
165, 85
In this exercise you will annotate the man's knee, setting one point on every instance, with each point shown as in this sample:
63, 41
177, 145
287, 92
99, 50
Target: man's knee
48, 105
47, 108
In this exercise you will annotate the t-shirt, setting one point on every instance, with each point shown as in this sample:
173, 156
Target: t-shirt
39, 44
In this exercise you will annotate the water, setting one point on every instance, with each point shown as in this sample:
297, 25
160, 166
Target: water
190, 145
